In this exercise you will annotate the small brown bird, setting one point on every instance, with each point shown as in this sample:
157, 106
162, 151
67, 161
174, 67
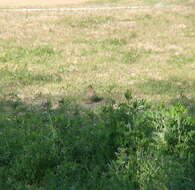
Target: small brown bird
91, 96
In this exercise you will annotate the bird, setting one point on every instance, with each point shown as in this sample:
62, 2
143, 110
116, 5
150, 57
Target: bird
91, 96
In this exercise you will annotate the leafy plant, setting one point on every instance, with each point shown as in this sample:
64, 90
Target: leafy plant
126, 146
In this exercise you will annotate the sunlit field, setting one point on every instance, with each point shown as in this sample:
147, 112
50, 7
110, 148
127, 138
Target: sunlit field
58, 54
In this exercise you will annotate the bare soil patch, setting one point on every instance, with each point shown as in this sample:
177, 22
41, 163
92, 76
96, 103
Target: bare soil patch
37, 3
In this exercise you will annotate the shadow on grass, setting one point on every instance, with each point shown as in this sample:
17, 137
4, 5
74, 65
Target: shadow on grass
38, 143
25, 78
173, 87
170, 86
75, 148
189, 103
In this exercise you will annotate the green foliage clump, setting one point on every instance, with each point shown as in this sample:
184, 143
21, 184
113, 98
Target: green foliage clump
123, 146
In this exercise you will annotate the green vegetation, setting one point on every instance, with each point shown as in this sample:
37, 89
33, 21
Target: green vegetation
120, 146
147, 50
182, 59
17, 54
51, 138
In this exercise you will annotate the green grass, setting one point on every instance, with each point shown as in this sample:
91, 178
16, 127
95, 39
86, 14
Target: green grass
120, 146
182, 59
87, 21
170, 86
63, 54
51, 138
23, 78
39, 55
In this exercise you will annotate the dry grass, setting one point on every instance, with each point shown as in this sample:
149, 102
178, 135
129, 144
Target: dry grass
150, 51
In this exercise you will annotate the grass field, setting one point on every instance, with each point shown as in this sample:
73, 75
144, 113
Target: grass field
49, 140
150, 51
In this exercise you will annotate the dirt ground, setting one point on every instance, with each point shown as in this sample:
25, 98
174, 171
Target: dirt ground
38, 3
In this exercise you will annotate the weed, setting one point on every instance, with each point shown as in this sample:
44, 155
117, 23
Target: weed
121, 145
128, 145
